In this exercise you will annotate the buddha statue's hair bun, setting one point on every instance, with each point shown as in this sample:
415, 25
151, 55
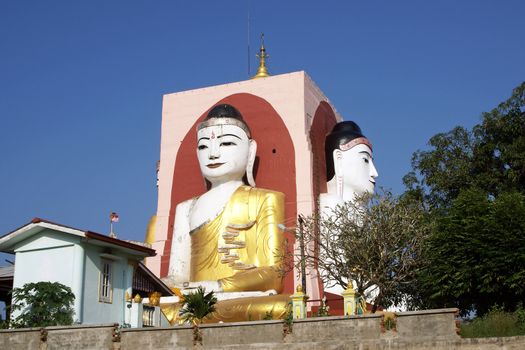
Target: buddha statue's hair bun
345, 131
224, 111
224, 114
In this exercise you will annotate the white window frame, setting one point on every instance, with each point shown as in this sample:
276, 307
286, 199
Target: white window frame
105, 282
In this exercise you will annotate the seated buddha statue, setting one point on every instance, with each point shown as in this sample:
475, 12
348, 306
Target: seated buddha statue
350, 171
227, 239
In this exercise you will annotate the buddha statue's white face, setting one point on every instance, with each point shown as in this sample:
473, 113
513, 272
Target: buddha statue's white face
223, 152
357, 170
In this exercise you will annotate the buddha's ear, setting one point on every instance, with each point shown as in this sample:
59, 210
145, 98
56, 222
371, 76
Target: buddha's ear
338, 170
252, 151
338, 164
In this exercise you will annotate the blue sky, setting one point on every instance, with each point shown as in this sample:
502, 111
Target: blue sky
81, 85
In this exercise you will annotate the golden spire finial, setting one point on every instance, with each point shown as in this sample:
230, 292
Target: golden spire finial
262, 71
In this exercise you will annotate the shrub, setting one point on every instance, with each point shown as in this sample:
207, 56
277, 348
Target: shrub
496, 323
198, 305
42, 304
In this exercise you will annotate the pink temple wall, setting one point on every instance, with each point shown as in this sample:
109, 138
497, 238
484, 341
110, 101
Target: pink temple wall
292, 114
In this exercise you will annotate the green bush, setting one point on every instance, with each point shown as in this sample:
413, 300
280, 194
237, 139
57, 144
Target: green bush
3, 323
520, 314
42, 304
496, 323
197, 305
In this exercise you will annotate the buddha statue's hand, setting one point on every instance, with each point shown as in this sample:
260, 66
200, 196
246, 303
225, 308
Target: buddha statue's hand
173, 282
209, 286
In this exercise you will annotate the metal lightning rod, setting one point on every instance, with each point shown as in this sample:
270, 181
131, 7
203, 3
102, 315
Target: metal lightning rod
248, 39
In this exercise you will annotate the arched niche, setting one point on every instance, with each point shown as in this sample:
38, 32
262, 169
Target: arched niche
274, 168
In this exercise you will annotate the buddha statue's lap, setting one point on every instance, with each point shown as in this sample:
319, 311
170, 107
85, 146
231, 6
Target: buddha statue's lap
237, 252
239, 309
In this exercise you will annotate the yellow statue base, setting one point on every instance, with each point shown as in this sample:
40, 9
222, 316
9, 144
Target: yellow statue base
238, 310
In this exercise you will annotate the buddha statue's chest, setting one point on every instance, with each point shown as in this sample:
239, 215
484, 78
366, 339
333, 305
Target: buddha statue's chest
202, 212
218, 250
208, 206
227, 243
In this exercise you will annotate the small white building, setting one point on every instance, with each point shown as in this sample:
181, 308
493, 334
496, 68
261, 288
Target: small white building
99, 269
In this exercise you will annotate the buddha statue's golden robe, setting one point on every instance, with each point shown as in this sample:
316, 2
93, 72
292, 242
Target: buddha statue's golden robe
242, 249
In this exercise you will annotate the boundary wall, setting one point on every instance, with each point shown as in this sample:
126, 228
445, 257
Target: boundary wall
429, 329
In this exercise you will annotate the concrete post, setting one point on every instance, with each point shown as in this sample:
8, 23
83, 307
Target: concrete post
137, 312
77, 285
349, 300
128, 288
298, 303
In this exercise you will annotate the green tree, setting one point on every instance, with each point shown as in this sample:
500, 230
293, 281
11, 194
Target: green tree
490, 157
472, 183
476, 255
42, 304
374, 241
500, 150
443, 170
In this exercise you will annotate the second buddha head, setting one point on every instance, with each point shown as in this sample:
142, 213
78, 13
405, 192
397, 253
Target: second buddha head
349, 161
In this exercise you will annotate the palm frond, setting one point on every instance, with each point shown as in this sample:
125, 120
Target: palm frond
197, 305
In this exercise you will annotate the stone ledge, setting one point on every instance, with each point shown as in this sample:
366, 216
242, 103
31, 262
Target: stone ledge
338, 318
427, 312
80, 326
21, 330
206, 325
76, 326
